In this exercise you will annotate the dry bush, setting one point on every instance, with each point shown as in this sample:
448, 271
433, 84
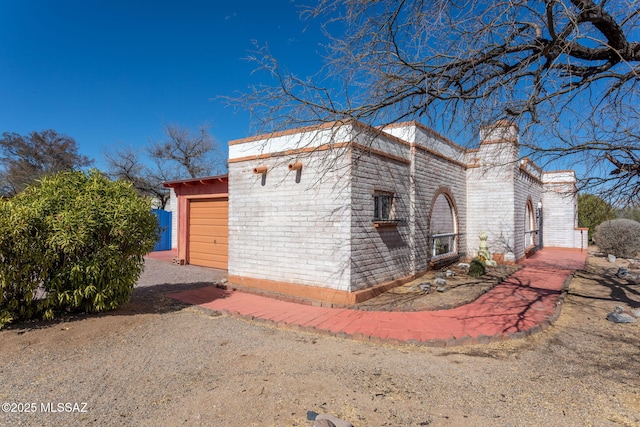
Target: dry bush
619, 237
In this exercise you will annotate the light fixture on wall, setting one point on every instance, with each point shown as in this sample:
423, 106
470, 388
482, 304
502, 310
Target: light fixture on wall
539, 211
260, 170
295, 166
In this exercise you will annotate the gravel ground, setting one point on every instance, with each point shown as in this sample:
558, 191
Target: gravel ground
460, 289
156, 362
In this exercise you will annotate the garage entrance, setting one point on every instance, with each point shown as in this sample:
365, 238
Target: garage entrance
208, 238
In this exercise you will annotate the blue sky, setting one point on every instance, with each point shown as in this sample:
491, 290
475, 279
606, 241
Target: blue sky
115, 72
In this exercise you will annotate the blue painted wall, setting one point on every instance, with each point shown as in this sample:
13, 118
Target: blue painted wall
164, 225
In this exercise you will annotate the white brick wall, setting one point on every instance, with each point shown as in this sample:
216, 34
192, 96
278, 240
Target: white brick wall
310, 138
427, 138
498, 190
526, 188
379, 254
292, 226
172, 206
432, 174
560, 210
315, 227
500, 131
491, 203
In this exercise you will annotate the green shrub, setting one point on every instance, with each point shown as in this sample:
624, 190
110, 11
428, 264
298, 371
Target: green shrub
593, 211
72, 242
619, 237
476, 268
21, 267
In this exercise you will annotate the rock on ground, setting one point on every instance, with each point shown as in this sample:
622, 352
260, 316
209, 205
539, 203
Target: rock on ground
157, 362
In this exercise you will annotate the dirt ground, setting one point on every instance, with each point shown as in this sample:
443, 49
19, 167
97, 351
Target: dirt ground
460, 289
157, 362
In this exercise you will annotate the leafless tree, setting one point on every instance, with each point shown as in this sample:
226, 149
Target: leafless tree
126, 164
27, 158
566, 71
186, 151
181, 154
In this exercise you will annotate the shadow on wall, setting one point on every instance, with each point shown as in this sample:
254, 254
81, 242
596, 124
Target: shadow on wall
392, 238
389, 259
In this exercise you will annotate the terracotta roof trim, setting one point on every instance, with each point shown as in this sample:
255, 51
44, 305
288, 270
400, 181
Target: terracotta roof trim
195, 181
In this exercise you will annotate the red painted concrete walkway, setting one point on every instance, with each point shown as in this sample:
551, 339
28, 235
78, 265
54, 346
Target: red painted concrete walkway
528, 301
167, 256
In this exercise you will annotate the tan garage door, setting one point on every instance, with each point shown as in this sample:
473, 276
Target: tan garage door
209, 232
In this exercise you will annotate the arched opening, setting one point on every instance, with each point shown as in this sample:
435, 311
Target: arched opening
530, 229
443, 226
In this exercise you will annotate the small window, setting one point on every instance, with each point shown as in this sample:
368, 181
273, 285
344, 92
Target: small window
382, 203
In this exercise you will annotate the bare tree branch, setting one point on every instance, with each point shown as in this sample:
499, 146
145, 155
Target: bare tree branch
181, 154
190, 151
555, 67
